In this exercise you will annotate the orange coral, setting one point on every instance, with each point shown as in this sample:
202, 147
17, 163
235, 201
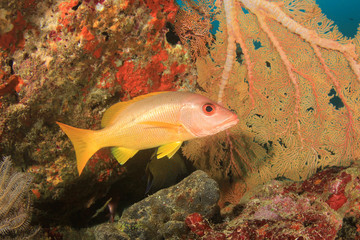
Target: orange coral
13, 83
66, 13
135, 80
14, 39
91, 42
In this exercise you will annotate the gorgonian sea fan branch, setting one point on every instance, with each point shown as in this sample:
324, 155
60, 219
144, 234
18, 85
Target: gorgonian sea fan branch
350, 126
193, 26
231, 47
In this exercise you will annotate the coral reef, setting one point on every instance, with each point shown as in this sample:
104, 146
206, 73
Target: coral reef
15, 203
276, 210
69, 60
321, 207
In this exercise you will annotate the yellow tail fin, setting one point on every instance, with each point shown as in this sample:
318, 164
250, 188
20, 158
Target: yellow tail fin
84, 144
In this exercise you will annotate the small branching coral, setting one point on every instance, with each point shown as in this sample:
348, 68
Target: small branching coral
193, 25
15, 202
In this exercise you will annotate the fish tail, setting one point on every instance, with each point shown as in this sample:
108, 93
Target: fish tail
84, 144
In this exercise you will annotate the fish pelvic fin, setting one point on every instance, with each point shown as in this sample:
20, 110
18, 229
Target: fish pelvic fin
123, 154
168, 149
83, 142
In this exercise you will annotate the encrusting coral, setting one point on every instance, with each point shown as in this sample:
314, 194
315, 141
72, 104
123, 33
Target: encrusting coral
15, 202
325, 206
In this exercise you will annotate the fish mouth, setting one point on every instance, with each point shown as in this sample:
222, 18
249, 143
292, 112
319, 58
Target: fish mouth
231, 121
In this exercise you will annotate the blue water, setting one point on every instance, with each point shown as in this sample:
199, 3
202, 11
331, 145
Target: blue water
345, 14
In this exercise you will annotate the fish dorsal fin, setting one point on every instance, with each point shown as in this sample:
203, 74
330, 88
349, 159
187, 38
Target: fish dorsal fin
123, 154
168, 149
111, 113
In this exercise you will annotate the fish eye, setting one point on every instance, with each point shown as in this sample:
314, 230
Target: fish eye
208, 109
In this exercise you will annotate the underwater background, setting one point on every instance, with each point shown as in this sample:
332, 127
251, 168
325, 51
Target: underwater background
344, 14
289, 69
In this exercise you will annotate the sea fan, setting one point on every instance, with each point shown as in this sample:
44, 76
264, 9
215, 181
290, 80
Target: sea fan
15, 202
294, 81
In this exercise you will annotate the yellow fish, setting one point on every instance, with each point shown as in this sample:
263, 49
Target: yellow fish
163, 119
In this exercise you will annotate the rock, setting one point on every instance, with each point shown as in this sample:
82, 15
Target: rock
108, 231
162, 215
173, 229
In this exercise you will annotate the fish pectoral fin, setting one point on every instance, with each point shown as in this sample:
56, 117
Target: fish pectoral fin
169, 126
123, 154
168, 149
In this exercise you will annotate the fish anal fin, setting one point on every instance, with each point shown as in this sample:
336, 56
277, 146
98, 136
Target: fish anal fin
111, 113
123, 154
168, 149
